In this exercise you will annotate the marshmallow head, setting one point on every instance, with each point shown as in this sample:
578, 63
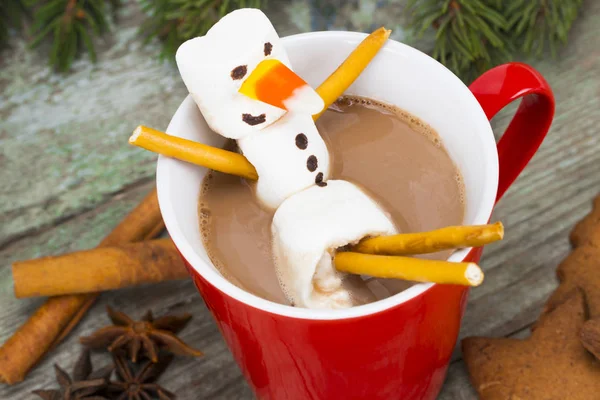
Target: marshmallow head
307, 230
215, 66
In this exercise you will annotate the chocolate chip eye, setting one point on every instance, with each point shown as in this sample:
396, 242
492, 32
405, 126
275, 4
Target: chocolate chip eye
239, 72
268, 48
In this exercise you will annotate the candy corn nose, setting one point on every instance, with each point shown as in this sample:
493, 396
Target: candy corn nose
272, 82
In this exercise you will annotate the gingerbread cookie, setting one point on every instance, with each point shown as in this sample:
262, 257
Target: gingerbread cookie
587, 231
551, 364
590, 336
582, 267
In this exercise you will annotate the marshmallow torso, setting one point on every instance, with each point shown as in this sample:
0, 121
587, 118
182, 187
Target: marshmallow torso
281, 153
238, 42
307, 229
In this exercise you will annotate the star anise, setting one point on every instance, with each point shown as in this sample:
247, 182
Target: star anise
140, 385
148, 333
83, 385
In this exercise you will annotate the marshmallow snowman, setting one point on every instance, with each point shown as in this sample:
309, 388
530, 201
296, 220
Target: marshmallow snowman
240, 77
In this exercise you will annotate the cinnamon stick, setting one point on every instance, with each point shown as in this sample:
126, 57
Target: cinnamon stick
58, 315
105, 268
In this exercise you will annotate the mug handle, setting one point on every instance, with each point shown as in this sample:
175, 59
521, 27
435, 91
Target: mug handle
498, 87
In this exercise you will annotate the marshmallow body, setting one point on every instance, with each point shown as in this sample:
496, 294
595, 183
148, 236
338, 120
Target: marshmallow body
213, 68
307, 229
288, 156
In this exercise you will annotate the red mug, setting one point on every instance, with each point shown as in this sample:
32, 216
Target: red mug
399, 347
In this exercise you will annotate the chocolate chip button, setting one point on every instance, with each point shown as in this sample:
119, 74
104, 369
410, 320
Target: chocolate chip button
319, 180
301, 141
312, 163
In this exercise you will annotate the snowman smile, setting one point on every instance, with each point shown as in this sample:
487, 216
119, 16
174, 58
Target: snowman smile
254, 119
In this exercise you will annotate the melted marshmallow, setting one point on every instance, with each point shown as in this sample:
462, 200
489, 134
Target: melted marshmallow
307, 229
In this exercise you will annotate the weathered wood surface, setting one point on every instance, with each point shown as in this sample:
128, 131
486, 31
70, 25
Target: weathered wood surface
67, 177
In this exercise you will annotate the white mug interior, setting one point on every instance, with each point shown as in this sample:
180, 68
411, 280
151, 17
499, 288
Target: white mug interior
399, 75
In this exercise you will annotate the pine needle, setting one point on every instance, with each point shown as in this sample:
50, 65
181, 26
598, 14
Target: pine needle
470, 34
70, 26
12, 14
473, 36
542, 24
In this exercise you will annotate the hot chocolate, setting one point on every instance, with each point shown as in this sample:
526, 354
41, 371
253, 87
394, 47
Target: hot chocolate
392, 155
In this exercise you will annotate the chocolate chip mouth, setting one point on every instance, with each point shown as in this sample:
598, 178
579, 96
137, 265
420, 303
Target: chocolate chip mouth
254, 120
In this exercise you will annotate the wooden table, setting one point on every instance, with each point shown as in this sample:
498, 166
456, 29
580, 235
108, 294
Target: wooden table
68, 176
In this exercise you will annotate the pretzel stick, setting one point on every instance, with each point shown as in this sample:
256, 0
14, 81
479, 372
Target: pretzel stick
452, 237
410, 269
193, 152
341, 79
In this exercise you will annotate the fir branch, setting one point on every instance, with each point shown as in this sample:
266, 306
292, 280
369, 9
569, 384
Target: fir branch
538, 25
175, 21
70, 25
12, 13
470, 34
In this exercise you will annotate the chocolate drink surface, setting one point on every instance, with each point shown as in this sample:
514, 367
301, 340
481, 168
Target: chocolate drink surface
395, 157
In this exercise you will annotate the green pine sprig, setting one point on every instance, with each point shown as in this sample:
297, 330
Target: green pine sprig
537, 25
470, 35
12, 14
175, 21
70, 25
